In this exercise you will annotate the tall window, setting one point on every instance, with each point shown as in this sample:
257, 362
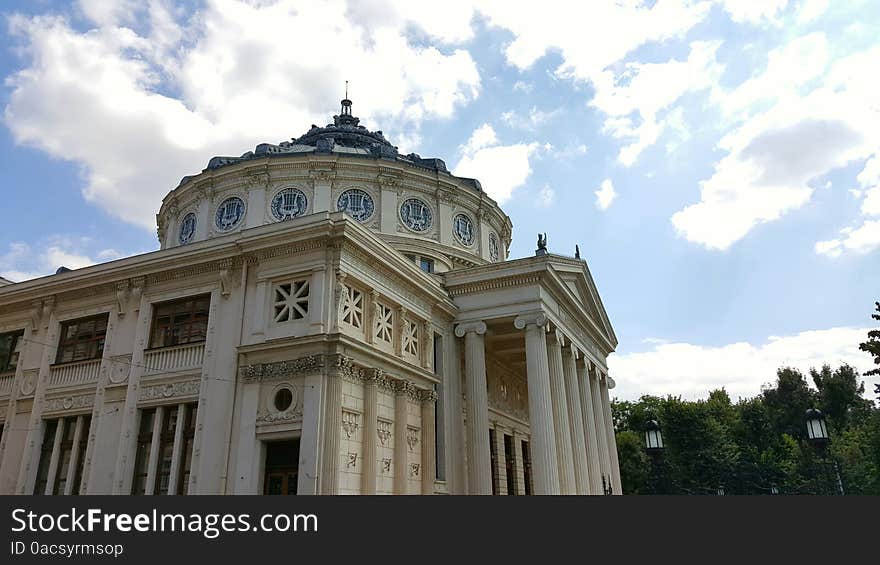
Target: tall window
82, 339
142, 454
10, 347
189, 434
180, 321
527, 467
67, 451
45, 456
509, 464
169, 446
493, 460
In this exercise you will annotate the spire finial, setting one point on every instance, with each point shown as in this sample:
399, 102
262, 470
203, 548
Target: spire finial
346, 103
346, 90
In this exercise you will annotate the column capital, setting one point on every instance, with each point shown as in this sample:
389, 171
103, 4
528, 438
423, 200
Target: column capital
610, 382
532, 318
478, 327
572, 350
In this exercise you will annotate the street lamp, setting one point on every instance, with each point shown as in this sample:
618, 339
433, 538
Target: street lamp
817, 432
653, 437
817, 435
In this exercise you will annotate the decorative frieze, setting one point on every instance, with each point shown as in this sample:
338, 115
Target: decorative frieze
169, 390
303, 366
295, 414
69, 403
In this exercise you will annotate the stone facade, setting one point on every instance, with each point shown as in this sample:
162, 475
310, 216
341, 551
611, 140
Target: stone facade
328, 352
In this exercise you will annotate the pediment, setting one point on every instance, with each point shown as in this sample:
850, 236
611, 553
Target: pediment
580, 284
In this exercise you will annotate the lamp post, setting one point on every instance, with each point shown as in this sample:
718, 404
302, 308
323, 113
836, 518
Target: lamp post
654, 448
817, 435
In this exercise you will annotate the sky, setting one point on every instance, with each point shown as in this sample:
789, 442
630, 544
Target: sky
717, 161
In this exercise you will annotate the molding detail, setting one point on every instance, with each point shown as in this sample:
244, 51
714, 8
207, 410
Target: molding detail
170, 390
383, 430
414, 469
120, 366
259, 372
412, 437
350, 422
69, 403
29, 381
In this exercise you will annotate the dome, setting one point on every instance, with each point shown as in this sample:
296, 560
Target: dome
346, 136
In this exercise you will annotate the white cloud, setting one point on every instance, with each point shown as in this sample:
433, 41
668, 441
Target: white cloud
811, 10
532, 121
546, 196
605, 195
23, 261
863, 239
139, 111
754, 11
634, 99
741, 368
499, 168
772, 156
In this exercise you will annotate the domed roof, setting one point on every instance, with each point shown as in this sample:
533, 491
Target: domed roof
344, 136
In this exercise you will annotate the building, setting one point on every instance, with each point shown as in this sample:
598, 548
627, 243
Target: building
323, 316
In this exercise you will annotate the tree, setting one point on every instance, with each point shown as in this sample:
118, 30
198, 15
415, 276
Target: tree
872, 346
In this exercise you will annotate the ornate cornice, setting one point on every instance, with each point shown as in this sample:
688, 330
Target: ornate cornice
495, 284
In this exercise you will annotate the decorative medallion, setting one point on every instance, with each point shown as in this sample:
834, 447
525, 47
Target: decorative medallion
229, 214
416, 215
463, 227
288, 203
187, 228
356, 203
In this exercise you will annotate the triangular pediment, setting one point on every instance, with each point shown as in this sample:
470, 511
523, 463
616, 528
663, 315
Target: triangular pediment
580, 283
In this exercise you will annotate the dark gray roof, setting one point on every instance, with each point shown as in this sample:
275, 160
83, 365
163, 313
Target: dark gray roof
344, 136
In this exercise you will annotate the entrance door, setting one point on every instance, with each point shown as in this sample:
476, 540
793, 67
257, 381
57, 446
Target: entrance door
282, 467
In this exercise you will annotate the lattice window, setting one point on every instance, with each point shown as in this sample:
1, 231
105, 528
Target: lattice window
411, 338
384, 323
353, 307
291, 301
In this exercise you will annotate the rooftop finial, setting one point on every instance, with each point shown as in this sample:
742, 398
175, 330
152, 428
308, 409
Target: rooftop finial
346, 103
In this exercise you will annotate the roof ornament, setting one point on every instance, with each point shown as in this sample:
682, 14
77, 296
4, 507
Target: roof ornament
345, 118
542, 245
577, 251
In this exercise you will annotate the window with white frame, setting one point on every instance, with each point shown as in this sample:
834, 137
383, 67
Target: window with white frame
291, 301
384, 323
353, 307
410, 337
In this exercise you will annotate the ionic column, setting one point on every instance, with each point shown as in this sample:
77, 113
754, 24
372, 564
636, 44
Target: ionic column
400, 424
609, 429
590, 436
429, 448
561, 423
576, 418
368, 476
601, 436
332, 427
479, 460
543, 441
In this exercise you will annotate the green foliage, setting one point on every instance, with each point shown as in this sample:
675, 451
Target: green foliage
872, 346
756, 444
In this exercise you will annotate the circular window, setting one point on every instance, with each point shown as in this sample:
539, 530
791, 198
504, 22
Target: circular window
493, 247
356, 203
415, 214
229, 213
283, 399
463, 228
187, 228
288, 203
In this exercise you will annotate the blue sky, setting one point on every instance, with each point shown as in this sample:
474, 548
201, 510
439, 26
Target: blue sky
718, 162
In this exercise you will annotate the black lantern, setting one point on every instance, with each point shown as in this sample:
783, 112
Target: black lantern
817, 432
653, 437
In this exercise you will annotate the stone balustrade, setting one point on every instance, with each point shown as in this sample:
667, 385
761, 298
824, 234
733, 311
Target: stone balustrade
77, 373
174, 358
